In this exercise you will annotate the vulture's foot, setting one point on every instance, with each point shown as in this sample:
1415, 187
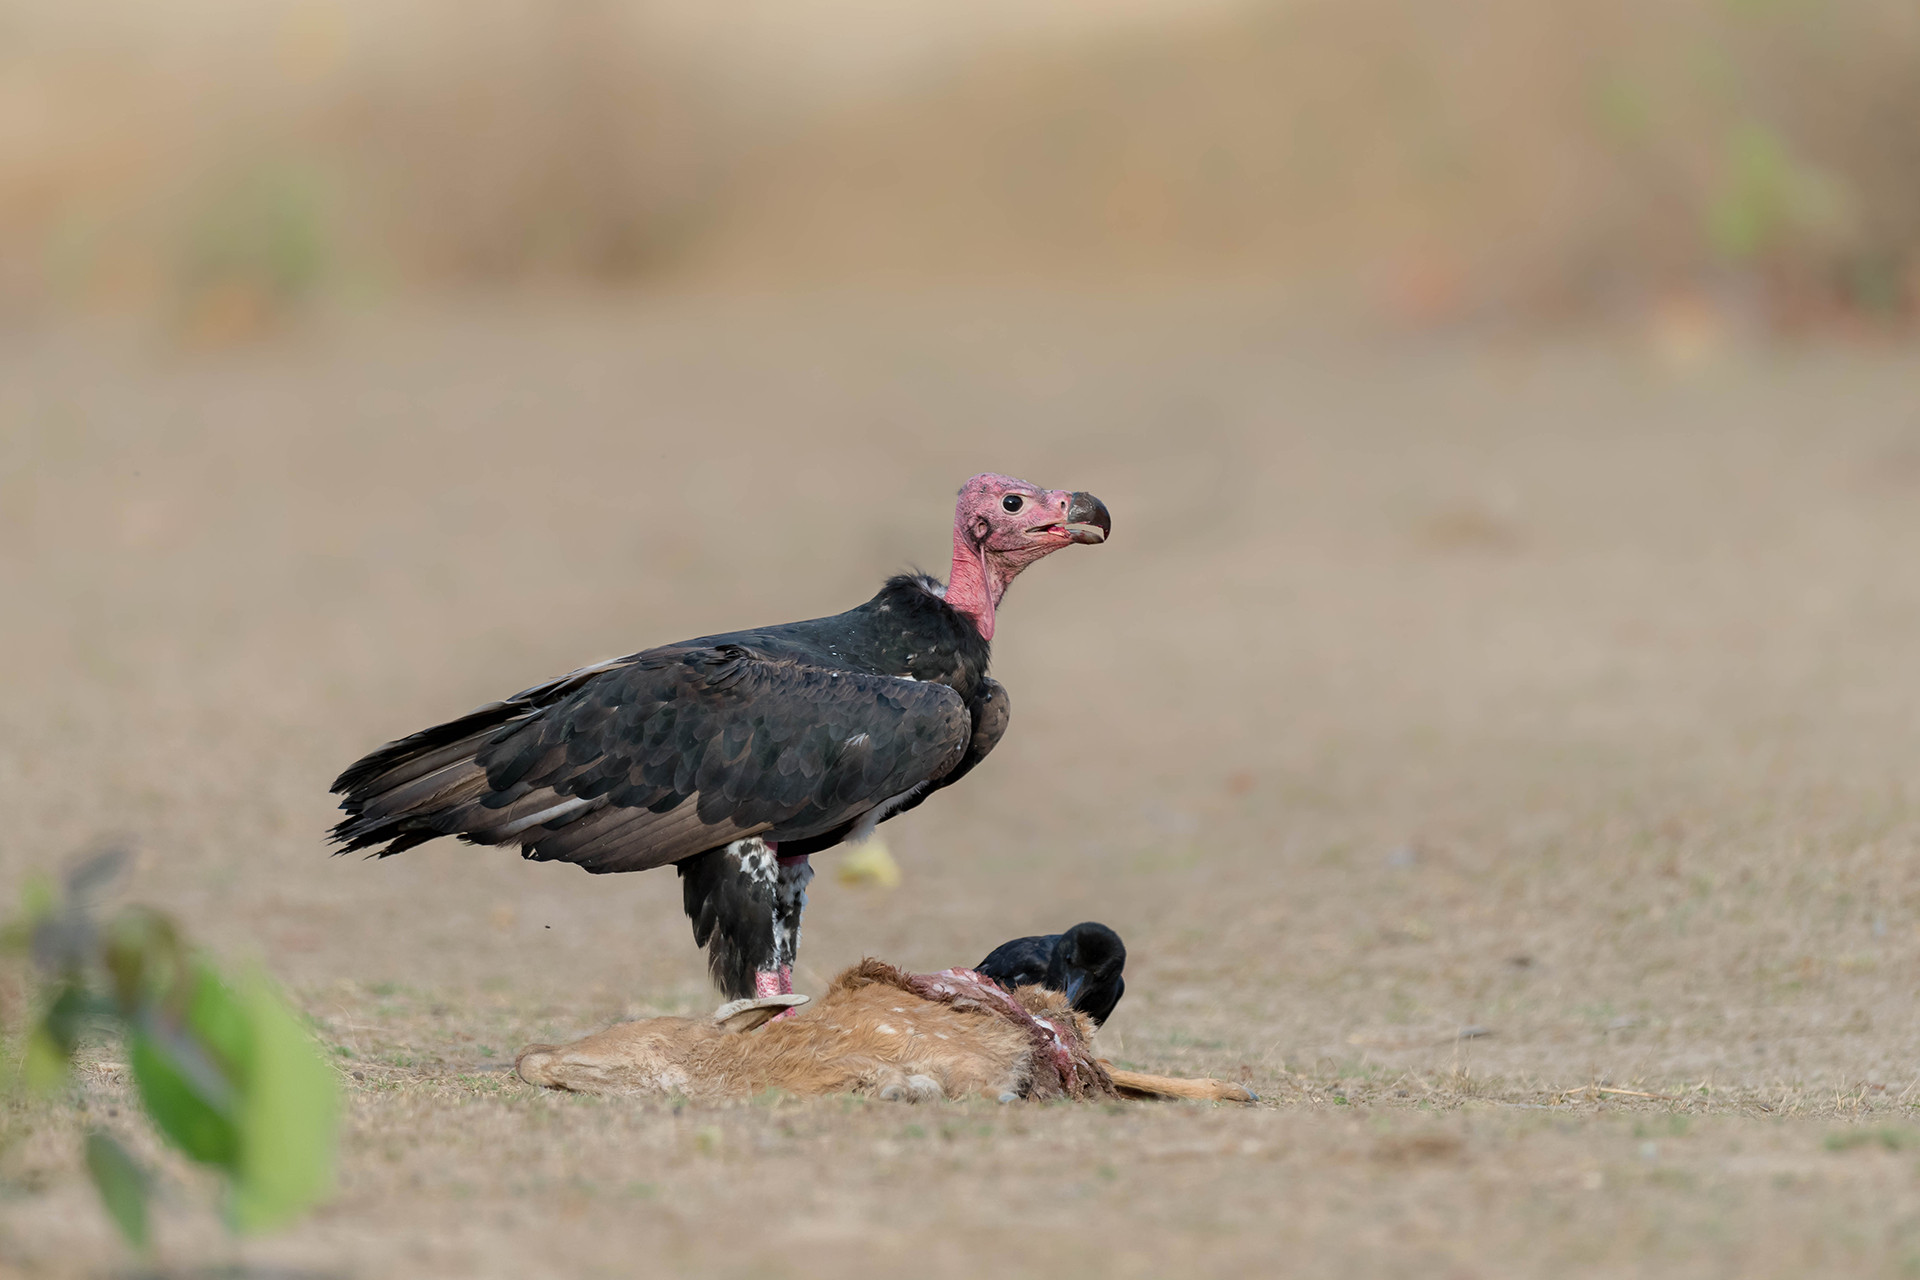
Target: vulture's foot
775, 982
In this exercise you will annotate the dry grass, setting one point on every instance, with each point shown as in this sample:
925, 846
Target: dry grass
1425, 161
1543, 690
1428, 161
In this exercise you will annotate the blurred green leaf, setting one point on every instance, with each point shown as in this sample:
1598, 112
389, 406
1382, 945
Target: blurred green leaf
72, 1012
227, 1072
53, 1038
145, 957
38, 902
288, 1111
122, 1184
38, 897
94, 872
221, 1021
190, 1102
43, 1068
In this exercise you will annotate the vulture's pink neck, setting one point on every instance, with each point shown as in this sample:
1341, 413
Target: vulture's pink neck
975, 586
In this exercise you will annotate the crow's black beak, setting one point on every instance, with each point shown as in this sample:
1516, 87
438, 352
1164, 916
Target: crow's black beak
1087, 519
1073, 987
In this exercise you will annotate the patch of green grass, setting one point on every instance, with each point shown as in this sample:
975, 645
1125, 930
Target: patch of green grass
1893, 1139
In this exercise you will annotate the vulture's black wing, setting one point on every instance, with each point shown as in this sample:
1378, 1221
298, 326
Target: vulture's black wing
650, 759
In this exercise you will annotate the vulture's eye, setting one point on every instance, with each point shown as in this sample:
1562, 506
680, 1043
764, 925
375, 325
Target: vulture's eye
1013, 502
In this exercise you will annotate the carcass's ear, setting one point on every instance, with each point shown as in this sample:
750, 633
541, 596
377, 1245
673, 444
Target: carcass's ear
745, 1015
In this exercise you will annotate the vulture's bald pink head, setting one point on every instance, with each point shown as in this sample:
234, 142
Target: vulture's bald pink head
1002, 525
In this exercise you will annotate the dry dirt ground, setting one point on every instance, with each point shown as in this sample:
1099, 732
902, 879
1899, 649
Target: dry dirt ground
1499, 751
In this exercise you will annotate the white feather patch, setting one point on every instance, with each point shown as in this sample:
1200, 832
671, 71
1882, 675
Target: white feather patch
872, 817
572, 804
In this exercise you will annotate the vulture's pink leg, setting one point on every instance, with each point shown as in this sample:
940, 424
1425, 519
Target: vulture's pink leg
774, 982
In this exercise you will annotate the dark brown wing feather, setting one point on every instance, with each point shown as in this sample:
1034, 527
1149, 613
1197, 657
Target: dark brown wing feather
989, 711
656, 757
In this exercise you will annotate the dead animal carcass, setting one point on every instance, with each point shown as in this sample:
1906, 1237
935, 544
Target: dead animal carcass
878, 1030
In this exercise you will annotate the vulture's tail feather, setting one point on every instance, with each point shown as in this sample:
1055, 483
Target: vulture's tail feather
404, 794
429, 749
431, 783
400, 843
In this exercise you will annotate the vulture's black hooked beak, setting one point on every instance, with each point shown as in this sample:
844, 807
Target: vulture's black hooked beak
1087, 519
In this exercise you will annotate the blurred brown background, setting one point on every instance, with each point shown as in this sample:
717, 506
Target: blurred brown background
1494, 724
1407, 159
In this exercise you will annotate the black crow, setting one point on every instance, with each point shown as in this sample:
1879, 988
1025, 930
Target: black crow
1083, 964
